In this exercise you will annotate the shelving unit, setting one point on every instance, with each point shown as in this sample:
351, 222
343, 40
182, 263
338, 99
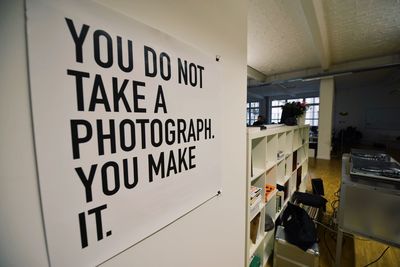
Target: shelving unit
278, 157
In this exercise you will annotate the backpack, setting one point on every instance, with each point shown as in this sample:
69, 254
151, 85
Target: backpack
299, 227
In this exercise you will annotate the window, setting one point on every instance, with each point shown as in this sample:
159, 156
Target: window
253, 110
312, 113
276, 110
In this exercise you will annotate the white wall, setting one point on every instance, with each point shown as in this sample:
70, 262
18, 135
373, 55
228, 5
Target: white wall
326, 97
22, 240
358, 100
213, 235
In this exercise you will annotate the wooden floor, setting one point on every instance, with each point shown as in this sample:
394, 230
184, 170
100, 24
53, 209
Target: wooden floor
356, 251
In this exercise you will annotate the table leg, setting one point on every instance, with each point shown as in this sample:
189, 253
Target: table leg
339, 247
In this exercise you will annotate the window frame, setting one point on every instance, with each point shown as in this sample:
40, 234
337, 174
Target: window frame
278, 103
253, 107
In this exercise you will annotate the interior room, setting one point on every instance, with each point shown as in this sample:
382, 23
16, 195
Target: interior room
342, 59
244, 133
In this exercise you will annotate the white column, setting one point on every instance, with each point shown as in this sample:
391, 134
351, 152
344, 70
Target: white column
326, 95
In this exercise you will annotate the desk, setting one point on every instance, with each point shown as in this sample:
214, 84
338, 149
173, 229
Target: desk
367, 208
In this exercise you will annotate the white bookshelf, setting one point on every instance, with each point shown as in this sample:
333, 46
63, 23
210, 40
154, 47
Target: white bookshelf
264, 167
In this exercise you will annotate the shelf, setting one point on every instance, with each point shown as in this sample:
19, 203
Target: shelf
271, 195
280, 160
253, 247
285, 179
257, 172
254, 211
283, 207
270, 164
302, 162
303, 178
269, 246
269, 234
298, 165
263, 148
297, 148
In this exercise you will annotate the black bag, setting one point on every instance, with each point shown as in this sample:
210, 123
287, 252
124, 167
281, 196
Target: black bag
299, 227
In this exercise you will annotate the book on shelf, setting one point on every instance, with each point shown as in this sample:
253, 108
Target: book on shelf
254, 202
279, 200
269, 189
255, 261
284, 188
298, 177
254, 191
251, 165
254, 228
255, 196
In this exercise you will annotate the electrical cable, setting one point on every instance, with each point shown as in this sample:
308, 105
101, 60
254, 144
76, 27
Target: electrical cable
383, 253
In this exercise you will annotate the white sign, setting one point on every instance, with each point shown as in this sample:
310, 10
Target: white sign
126, 128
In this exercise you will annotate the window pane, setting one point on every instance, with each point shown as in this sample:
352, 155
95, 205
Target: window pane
248, 105
282, 102
275, 110
316, 100
310, 100
256, 104
309, 113
275, 103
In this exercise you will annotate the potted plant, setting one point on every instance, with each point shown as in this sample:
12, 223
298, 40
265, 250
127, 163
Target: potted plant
293, 113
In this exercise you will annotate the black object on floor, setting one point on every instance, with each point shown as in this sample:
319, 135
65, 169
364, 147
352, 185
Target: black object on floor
299, 227
269, 223
317, 186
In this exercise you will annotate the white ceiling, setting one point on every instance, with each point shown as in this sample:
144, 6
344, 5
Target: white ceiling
363, 29
278, 39
296, 38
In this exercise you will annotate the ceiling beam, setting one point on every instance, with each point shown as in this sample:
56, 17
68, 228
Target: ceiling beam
315, 16
342, 67
254, 96
255, 74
